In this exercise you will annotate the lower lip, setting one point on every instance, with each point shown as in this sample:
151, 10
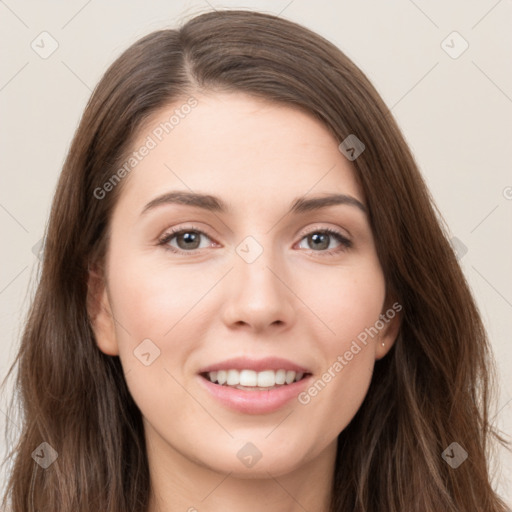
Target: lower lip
255, 402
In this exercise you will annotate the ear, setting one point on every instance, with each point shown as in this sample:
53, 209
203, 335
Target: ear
391, 317
100, 313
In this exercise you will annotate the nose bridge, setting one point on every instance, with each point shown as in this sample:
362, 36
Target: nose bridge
256, 265
259, 296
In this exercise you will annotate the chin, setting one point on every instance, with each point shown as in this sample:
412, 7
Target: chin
247, 463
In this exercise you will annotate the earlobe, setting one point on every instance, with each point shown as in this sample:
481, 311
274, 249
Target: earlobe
392, 318
100, 313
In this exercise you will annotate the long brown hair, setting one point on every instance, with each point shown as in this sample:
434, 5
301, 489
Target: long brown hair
435, 386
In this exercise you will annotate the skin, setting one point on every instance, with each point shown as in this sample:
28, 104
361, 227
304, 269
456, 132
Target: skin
210, 304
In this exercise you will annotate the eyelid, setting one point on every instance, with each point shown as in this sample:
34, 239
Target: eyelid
323, 227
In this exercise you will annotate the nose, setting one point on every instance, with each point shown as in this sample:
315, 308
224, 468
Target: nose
259, 295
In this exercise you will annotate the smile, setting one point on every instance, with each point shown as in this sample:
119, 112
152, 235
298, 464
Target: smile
254, 386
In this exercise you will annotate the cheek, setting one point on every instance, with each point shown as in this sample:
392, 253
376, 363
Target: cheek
153, 302
155, 312
160, 312
350, 312
338, 390
349, 304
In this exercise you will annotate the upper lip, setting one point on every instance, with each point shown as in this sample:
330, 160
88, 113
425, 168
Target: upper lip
258, 365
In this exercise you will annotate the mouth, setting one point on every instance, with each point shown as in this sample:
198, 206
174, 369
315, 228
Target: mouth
251, 380
254, 386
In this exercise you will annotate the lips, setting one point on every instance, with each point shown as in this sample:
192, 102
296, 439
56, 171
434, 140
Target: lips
257, 365
254, 386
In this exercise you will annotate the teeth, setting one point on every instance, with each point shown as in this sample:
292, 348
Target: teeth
233, 378
280, 376
250, 378
266, 379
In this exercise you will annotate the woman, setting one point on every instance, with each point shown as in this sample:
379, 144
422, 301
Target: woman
316, 346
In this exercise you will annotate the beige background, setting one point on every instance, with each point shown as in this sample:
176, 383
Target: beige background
455, 111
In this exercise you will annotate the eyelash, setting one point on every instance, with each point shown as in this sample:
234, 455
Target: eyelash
167, 237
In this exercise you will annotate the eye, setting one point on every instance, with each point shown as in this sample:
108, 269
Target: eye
187, 239
320, 239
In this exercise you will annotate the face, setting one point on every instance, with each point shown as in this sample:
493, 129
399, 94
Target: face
246, 284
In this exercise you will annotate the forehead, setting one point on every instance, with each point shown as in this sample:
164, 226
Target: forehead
239, 147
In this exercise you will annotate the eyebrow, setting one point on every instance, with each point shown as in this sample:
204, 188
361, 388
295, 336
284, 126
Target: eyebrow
215, 204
